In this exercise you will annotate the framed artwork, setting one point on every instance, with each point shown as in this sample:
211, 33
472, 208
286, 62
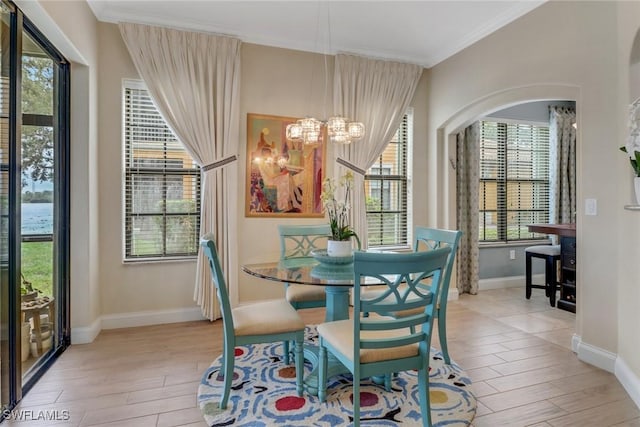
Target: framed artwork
284, 178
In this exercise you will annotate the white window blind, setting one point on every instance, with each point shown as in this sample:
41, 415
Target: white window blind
386, 186
514, 180
161, 185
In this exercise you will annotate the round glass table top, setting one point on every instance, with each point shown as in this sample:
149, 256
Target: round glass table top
307, 271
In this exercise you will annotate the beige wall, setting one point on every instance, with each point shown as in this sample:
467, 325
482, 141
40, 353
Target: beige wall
628, 230
561, 50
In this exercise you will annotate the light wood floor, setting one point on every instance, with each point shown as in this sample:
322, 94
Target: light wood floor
517, 353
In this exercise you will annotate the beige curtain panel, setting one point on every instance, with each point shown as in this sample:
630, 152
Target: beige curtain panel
376, 93
194, 81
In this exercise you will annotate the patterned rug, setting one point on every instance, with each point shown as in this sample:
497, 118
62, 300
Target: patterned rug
263, 393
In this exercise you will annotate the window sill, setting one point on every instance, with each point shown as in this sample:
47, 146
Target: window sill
158, 260
514, 244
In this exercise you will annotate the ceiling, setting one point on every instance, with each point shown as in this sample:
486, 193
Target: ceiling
419, 32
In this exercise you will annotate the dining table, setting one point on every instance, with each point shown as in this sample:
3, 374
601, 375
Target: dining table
336, 276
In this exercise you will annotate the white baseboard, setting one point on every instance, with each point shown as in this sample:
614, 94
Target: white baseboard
453, 294
85, 335
507, 282
629, 380
575, 340
595, 356
152, 317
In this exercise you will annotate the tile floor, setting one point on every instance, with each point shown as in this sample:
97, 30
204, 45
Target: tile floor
517, 353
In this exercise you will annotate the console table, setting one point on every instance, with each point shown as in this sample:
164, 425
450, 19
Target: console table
567, 234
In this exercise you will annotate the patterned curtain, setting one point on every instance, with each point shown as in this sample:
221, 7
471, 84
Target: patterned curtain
468, 182
562, 168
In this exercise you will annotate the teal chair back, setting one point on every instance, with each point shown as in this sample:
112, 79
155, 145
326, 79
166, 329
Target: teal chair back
402, 275
217, 276
281, 323
385, 345
430, 239
297, 241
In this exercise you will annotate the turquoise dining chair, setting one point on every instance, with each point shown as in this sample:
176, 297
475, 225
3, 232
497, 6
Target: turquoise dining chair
296, 243
261, 322
434, 238
379, 346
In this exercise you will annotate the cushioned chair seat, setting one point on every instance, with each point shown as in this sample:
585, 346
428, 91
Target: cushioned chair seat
304, 293
267, 317
340, 335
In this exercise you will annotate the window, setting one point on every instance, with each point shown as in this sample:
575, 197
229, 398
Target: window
514, 180
161, 185
387, 189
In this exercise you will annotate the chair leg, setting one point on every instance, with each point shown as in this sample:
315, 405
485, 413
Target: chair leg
528, 276
299, 365
285, 345
229, 362
550, 279
423, 389
442, 334
322, 373
356, 400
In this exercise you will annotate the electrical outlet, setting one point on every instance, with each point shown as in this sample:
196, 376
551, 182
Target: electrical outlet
590, 207
512, 254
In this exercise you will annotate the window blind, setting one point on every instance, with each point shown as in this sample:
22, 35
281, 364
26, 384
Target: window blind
386, 186
161, 185
514, 180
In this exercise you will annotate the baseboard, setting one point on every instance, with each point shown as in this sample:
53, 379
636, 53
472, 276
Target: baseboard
86, 334
507, 282
596, 356
628, 379
155, 317
575, 340
453, 294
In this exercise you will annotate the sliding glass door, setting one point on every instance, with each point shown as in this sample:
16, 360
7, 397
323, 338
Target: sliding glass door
34, 204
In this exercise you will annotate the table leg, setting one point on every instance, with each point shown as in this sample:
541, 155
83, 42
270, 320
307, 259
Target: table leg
337, 308
337, 299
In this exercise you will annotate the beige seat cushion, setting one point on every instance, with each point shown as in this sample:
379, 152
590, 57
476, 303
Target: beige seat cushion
340, 335
266, 317
544, 249
303, 293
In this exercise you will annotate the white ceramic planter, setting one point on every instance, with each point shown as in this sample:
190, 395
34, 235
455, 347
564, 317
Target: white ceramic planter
636, 184
339, 248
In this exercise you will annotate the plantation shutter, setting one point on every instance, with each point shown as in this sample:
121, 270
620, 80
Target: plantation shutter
161, 185
514, 180
386, 186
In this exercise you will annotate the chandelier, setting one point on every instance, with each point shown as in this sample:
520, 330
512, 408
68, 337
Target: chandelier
340, 130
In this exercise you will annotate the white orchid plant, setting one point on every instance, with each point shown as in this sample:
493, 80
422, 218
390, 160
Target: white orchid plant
632, 148
338, 211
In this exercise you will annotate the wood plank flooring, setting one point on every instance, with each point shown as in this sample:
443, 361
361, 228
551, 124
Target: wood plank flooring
516, 351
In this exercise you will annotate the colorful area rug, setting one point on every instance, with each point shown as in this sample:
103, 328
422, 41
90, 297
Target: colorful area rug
264, 394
